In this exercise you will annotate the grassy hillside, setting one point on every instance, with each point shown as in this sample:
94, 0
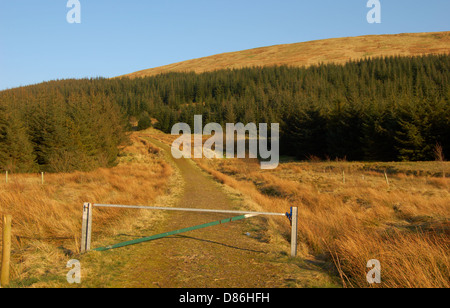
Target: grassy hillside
382, 109
405, 224
46, 218
349, 213
338, 50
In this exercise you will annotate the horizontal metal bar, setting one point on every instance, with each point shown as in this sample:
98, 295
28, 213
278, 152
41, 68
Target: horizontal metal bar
187, 209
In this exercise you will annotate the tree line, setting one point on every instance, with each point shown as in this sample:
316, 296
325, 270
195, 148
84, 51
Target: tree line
383, 109
41, 129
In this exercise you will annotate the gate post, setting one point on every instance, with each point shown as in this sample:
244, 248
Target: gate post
6, 254
86, 228
294, 231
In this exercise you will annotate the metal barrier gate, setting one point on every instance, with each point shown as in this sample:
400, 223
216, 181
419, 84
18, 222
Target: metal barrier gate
88, 211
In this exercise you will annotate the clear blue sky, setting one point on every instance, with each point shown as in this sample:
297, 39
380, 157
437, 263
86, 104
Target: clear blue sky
116, 37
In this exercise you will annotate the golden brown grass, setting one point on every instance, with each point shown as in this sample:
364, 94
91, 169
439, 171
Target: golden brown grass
338, 50
47, 218
404, 225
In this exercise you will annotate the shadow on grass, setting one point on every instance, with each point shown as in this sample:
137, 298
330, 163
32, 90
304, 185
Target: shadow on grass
201, 240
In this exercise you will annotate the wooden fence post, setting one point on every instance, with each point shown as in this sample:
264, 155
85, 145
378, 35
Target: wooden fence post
6, 177
86, 228
387, 179
42, 178
6, 255
294, 232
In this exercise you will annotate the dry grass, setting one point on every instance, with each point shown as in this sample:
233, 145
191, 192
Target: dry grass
404, 225
47, 218
338, 50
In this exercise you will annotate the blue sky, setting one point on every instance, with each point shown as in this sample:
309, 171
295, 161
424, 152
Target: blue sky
116, 37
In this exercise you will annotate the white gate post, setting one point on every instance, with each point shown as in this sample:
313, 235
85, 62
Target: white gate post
86, 228
294, 232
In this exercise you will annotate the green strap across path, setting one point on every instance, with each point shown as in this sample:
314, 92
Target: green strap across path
162, 235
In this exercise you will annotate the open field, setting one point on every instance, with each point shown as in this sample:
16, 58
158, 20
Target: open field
47, 218
405, 224
47, 223
242, 254
349, 213
337, 50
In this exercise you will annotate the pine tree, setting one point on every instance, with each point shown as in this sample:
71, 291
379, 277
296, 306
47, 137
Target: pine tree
16, 151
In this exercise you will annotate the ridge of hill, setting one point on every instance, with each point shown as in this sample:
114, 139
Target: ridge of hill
335, 50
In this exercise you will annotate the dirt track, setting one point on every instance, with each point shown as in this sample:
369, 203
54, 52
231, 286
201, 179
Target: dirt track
232, 255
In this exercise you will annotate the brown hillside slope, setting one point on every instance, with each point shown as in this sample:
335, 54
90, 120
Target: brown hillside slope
338, 50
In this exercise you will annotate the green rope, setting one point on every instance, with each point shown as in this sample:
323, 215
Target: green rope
162, 235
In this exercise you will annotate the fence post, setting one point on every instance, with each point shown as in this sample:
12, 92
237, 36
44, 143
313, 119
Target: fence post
86, 228
6, 255
294, 232
387, 179
42, 178
6, 177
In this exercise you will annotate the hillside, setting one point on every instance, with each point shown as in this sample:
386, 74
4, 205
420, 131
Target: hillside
338, 50
382, 109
